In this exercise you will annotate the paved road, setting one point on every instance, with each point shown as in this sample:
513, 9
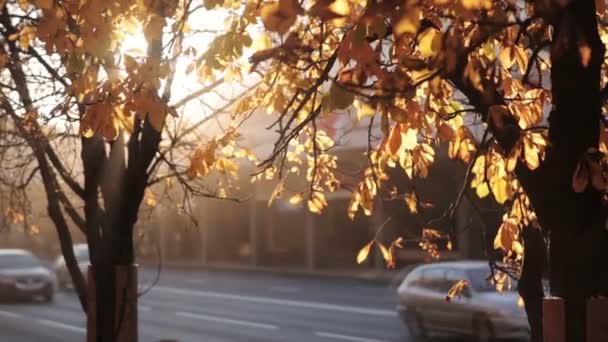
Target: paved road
224, 307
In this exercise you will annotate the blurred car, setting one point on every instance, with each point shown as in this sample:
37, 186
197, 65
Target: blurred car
23, 276
481, 311
81, 252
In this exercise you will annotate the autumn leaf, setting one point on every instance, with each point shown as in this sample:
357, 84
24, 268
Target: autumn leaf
330, 9
408, 22
34, 229
507, 235
280, 16
394, 140
412, 202
317, 202
296, 199
429, 42
584, 51
44, 4
276, 193
150, 199
500, 190
364, 252
457, 290
385, 253
477, 4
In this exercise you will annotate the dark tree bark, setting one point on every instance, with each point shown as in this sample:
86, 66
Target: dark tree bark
578, 239
574, 221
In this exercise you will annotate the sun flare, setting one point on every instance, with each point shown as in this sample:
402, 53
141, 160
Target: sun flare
134, 44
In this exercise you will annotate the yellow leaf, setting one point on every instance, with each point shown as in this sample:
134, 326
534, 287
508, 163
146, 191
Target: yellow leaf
506, 58
317, 202
262, 42
34, 229
330, 9
363, 109
280, 16
412, 202
457, 289
520, 301
477, 4
482, 190
410, 139
295, 199
276, 193
364, 252
500, 190
521, 58
408, 22
507, 234
385, 253
429, 42
340, 7
150, 199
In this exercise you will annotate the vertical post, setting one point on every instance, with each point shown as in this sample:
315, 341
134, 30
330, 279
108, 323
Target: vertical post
203, 228
554, 320
310, 239
161, 238
597, 320
253, 228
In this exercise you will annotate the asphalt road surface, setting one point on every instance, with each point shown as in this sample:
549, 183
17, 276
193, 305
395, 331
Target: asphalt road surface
202, 306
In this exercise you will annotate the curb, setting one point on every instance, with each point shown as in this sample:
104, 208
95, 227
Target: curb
380, 277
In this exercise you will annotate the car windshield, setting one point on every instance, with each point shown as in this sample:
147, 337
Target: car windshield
18, 261
481, 283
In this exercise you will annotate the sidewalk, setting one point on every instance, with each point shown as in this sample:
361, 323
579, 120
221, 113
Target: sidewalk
378, 276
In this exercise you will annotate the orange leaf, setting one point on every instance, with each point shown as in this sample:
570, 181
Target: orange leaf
457, 289
394, 140
364, 252
385, 253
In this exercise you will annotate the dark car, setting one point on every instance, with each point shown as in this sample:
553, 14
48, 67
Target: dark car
23, 276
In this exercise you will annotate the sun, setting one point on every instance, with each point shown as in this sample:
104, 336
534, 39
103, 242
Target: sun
134, 43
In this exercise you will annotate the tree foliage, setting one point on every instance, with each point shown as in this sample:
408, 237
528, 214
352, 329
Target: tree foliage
478, 76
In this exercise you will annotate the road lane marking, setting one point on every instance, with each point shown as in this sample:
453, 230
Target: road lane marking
10, 314
275, 301
346, 337
226, 320
61, 325
288, 289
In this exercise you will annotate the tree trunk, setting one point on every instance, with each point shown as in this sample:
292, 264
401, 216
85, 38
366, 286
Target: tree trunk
124, 327
578, 240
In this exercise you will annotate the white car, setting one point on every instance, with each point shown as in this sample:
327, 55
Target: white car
81, 251
481, 312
